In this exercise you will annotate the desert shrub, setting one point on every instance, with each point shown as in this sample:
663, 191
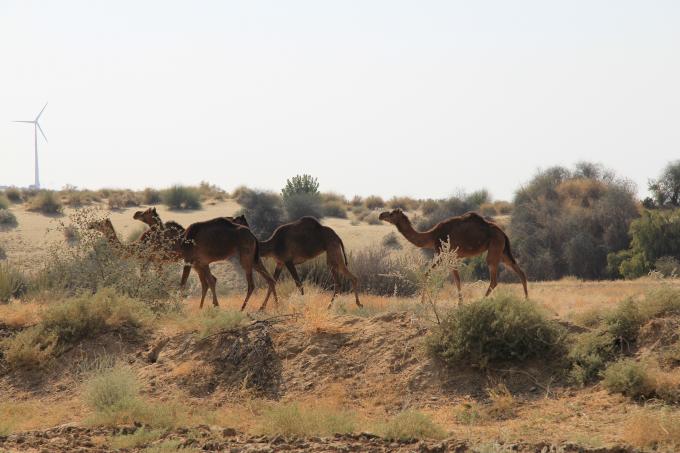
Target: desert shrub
411, 424
13, 283
64, 324
328, 197
661, 301
151, 196
429, 206
624, 321
488, 209
111, 391
75, 199
208, 190
390, 240
503, 207
71, 234
7, 219
239, 192
303, 204
589, 355
300, 184
4, 201
666, 189
3, 254
135, 234
181, 197
304, 421
13, 194
377, 271
405, 203
452, 206
374, 202
629, 378
360, 212
667, 265
45, 202
566, 222
499, 328
264, 211
334, 209
653, 429
372, 218
502, 403
213, 320
356, 201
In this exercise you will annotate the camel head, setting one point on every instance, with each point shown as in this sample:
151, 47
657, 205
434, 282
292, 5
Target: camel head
394, 217
150, 216
241, 220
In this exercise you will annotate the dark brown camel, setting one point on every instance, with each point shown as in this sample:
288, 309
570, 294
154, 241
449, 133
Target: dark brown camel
163, 238
299, 241
470, 235
218, 239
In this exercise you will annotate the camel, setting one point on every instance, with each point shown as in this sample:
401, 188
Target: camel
105, 227
299, 241
218, 239
469, 234
164, 238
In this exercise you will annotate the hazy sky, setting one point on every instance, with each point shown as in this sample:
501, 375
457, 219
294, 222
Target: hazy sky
416, 98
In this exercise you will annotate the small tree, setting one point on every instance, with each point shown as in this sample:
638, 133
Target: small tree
300, 184
263, 211
666, 189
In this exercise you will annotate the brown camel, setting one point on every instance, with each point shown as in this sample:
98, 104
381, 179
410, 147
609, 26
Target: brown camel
218, 239
470, 234
299, 241
163, 238
105, 227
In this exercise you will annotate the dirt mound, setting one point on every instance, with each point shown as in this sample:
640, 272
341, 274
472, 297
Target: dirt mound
70, 438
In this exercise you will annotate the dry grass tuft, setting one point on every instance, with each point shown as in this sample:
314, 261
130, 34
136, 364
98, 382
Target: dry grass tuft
650, 428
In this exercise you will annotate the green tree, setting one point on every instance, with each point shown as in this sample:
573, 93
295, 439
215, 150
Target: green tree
666, 189
300, 184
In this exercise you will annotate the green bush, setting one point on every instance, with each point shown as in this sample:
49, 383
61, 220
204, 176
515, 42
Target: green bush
411, 424
112, 390
263, 210
624, 321
453, 206
303, 204
64, 324
13, 283
7, 219
629, 378
499, 328
181, 197
304, 421
374, 202
13, 194
46, 202
300, 184
669, 266
334, 209
589, 355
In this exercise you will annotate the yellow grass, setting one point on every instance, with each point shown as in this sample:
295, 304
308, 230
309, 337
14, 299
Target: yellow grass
19, 314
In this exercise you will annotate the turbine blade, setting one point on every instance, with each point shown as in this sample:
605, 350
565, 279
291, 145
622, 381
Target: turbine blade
24, 122
41, 112
41, 131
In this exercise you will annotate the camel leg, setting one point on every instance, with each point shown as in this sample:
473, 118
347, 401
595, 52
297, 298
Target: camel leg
277, 273
204, 283
185, 275
293, 272
212, 281
342, 268
493, 258
259, 267
522, 276
456, 280
251, 286
336, 285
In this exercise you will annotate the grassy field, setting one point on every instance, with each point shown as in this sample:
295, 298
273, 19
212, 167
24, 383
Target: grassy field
347, 369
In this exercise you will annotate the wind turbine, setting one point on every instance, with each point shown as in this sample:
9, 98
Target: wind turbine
36, 126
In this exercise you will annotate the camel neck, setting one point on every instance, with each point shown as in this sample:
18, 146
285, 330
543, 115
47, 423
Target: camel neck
422, 240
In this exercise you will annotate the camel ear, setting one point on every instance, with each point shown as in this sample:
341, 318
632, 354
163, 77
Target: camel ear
154, 210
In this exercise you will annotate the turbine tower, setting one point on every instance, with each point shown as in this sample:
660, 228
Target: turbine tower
36, 127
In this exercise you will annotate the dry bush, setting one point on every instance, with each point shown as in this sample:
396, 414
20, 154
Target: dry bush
214, 319
13, 283
66, 323
7, 219
305, 420
327, 197
13, 194
151, 196
411, 424
140, 438
390, 240
641, 380
374, 202
356, 201
405, 203
429, 206
121, 199
372, 218
18, 314
71, 234
488, 209
502, 403
208, 190
649, 428
45, 202
503, 207
334, 209
4, 201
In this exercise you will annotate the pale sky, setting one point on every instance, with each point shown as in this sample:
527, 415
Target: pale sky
419, 98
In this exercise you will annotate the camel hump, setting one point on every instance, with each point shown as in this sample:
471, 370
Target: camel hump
309, 221
471, 215
174, 225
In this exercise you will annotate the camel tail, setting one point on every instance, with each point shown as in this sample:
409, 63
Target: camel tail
506, 249
342, 246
